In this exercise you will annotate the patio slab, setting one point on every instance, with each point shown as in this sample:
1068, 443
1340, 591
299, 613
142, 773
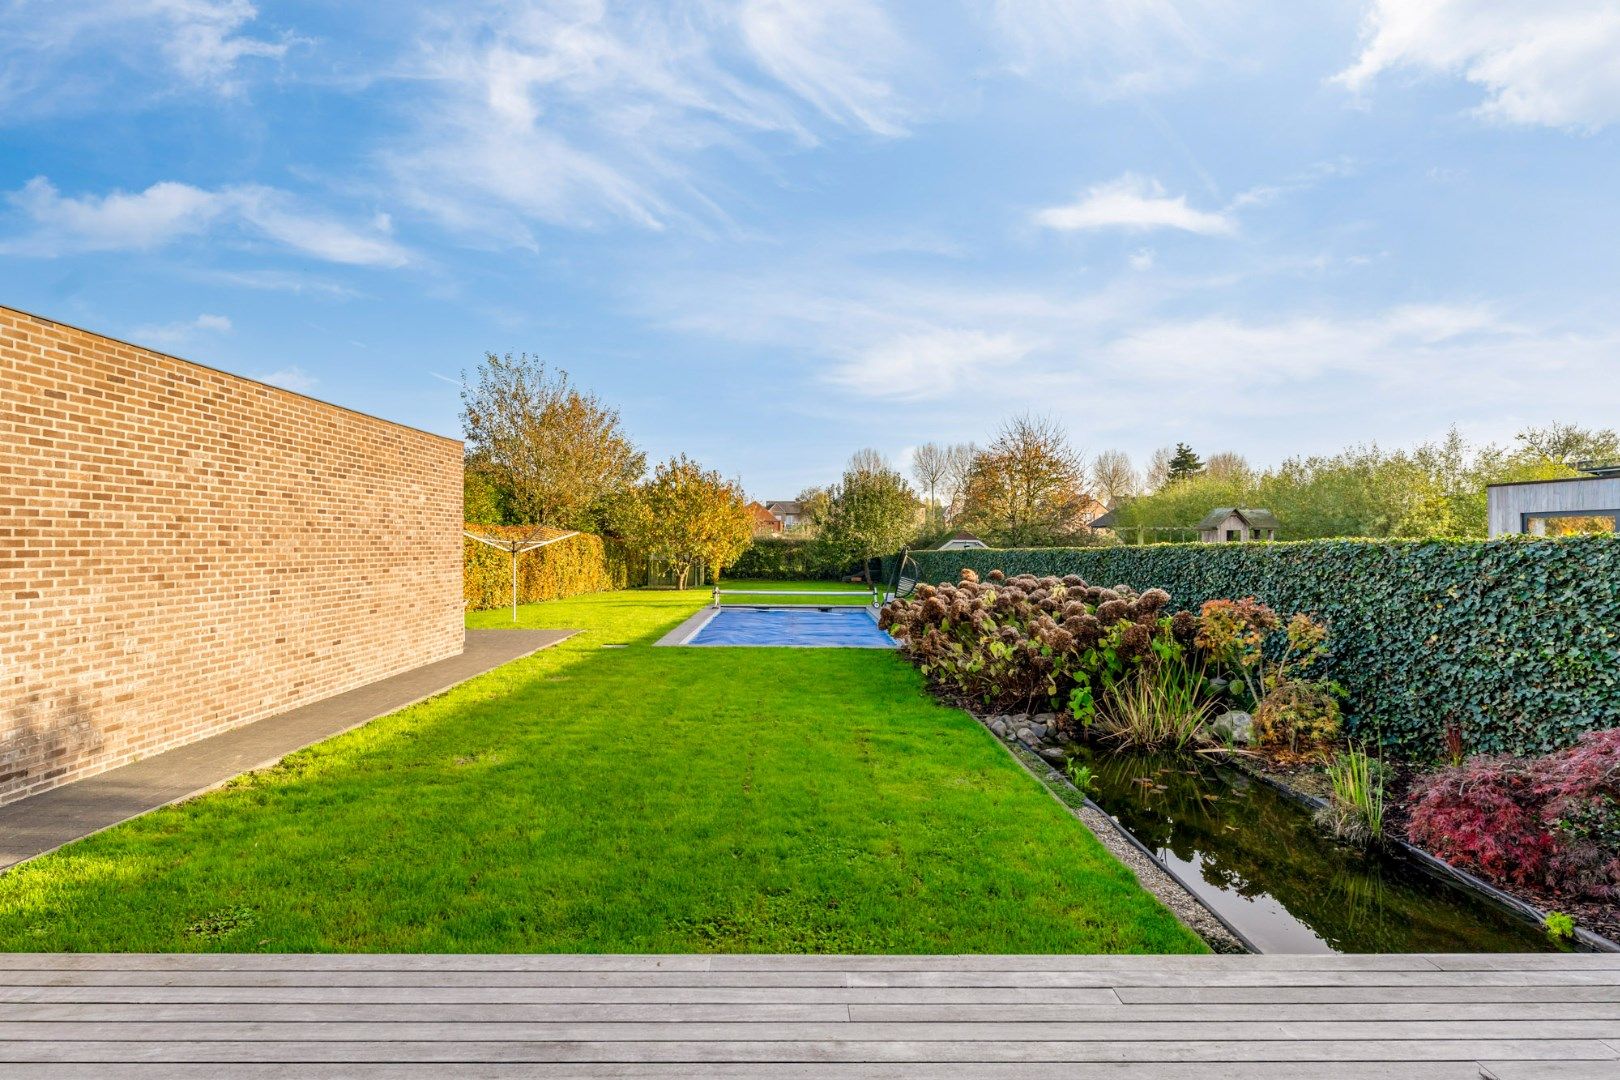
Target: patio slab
44, 822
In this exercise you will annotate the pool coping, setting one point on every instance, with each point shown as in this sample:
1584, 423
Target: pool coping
693, 624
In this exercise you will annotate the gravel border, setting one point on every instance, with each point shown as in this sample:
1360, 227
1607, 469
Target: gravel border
1149, 873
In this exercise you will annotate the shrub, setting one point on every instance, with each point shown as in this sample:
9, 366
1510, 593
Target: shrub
1301, 716
1024, 642
1552, 821
1483, 816
1512, 639
785, 558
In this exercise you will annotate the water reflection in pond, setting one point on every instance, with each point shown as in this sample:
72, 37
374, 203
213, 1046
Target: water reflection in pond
1257, 858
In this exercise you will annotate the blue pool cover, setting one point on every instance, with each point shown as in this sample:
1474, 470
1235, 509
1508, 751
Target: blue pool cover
850, 628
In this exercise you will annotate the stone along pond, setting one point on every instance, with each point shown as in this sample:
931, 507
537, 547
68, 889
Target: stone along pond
1257, 858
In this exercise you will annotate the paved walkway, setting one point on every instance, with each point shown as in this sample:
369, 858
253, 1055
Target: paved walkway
1501, 1017
50, 819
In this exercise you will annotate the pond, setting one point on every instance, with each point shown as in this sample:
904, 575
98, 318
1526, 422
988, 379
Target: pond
1256, 857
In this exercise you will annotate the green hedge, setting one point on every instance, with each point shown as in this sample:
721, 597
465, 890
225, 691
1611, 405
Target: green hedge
579, 564
1519, 639
783, 558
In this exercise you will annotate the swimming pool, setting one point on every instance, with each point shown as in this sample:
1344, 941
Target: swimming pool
800, 627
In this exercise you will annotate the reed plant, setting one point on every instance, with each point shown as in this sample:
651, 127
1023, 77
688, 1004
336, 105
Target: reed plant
1163, 706
1356, 812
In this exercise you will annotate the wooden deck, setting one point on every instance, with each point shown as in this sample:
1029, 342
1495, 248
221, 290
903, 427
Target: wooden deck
858, 1018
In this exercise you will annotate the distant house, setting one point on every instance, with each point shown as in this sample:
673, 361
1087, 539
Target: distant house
1091, 511
961, 542
1235, 523
1581, 504
764, 521
787, 512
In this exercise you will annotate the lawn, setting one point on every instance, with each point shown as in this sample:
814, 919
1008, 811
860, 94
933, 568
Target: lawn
599, 800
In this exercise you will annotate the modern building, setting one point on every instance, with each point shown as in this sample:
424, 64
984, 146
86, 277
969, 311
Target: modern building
1230, 524
1582, 504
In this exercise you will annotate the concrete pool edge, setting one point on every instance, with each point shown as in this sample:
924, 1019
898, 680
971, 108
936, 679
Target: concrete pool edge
690, 627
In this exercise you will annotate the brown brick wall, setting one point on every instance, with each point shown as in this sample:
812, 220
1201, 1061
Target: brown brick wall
183, 551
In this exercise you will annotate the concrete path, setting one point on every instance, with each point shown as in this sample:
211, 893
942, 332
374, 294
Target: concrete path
50, 819
1496, 1017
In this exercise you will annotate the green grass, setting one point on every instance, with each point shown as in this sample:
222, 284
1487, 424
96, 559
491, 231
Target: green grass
637, 799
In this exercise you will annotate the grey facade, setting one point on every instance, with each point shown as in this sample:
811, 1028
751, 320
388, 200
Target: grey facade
1534, 508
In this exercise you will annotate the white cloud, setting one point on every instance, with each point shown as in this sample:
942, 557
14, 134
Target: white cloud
583, 114
1134, 203
292, 378
929, 364
1111, 47
170, 211
1551, 62
178, 333
833, 54
56, 54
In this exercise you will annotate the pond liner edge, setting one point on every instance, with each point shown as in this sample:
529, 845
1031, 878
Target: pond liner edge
1523, 909
1052, 775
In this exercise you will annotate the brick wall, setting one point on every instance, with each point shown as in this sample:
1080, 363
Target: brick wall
183, 551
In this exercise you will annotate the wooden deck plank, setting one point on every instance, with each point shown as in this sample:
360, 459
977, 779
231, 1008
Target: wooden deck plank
1321, 1029
1055, 980
341, 1011
860, 1018
1236, 1051
1367, 1070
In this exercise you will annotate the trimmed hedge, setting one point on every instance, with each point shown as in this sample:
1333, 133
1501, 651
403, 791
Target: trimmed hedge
783, 558
580, 564
1518, 639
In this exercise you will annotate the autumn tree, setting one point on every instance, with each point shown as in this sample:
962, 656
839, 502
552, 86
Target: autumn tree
872, 511
1568, 444
685, 515
556, 453
1112, 477
1027, 488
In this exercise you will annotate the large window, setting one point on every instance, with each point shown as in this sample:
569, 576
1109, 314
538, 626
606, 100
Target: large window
1570, 522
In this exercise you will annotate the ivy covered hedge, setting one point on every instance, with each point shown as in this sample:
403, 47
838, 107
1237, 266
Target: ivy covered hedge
1516, 639
579, 564
783, 558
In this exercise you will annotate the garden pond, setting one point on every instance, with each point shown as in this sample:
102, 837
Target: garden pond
1258, 859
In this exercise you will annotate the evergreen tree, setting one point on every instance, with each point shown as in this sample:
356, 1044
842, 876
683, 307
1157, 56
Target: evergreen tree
1184, 463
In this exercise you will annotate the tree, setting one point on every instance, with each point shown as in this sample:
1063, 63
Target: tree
929, 464
1112, 477
482, 500
958, 463
1228, 465
1027, 488
1569, 445
871, 512
685, 515
814, 504
1158, 469
1183, 463
558, 453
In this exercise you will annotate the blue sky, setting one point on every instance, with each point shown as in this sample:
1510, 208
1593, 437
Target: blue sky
774, 231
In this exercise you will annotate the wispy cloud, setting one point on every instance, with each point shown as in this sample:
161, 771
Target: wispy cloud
834, 54
169, 211
1134, 203
1110, 47
169, 335
583, 114
55, 54
1551, 62
922, 366
292, 378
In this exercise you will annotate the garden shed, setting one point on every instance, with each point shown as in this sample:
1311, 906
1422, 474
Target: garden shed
1226, 524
